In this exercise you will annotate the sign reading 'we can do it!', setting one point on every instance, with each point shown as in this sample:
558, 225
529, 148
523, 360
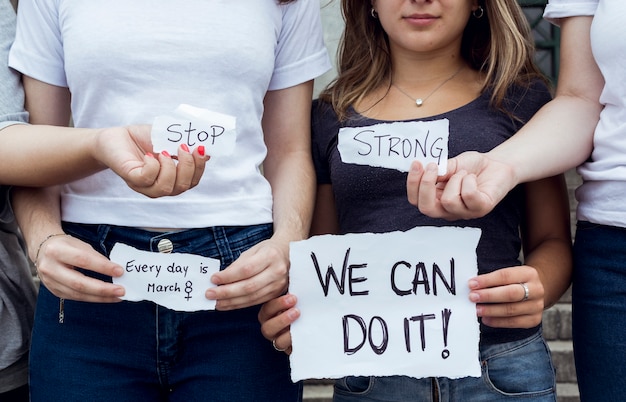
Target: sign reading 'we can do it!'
385, 304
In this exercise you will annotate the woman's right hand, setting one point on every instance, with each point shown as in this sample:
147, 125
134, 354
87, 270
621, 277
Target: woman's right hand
56, 261
276, 317
128, 152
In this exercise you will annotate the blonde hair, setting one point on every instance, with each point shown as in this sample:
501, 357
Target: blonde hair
499, 44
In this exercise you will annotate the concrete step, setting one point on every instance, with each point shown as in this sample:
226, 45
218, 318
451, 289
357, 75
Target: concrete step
567, 393
557, 322
563, 358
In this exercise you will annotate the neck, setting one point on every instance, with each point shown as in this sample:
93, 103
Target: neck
411, 69
419, 76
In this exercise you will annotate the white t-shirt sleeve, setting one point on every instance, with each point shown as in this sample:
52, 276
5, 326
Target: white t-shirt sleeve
301, 54
556, 9
38, 48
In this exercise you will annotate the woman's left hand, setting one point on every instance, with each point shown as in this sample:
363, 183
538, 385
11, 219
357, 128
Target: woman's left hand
258, 275
501, 301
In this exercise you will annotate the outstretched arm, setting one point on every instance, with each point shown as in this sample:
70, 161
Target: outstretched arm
42, 155
558, 137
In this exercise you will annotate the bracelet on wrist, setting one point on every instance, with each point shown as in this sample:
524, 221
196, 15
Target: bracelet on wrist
43, 242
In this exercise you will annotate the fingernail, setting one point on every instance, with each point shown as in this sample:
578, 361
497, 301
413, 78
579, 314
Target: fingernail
118, 271
149, 154
474, 297
209, 294
292, 314
201, 150
166, 154
120, 292
185, 148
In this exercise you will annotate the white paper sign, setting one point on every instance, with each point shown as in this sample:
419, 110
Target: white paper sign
177, 281
385, 304
194, 126
396, 145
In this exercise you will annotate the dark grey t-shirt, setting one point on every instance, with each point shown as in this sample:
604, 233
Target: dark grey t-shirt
370, 199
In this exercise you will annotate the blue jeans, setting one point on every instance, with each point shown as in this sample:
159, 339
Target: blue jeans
599, 311
520, 370
139, 351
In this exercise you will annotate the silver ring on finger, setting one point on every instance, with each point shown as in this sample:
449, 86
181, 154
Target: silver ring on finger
526, 291
276, 347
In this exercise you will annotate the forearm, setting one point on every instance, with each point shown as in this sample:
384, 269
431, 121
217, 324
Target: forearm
553, 262
55, 154
546, 235
560, 135
37, 211
288, 165
293, 189
557, 138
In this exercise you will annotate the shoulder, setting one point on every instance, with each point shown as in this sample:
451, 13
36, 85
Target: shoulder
523, 101
300, 8
323, 114
324, 127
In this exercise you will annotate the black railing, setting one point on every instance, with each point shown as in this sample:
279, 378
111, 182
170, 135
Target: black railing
546, 37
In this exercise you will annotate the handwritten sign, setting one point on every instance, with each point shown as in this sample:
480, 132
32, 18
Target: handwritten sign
177, 281
385, 304
194, 126
396, 145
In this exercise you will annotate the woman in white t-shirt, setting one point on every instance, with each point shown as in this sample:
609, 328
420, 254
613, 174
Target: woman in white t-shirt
45, 155
110, 63
584, 126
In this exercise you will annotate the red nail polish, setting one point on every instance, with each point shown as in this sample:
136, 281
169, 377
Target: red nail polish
166, 154
201, 150
185, 147
149, 154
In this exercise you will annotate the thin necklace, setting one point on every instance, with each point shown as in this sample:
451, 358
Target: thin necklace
420, 101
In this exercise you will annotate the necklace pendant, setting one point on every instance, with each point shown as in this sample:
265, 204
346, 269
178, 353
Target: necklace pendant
419, 102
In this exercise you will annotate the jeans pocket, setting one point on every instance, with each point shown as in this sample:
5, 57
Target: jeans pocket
523, 369
353, 385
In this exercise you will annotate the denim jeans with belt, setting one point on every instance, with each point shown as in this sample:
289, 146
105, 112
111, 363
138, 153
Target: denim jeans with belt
140, 351
599, 312
513, 371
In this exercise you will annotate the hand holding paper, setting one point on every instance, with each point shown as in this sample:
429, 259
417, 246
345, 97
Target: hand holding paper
385, 304
176, 281
192, 126
127, 151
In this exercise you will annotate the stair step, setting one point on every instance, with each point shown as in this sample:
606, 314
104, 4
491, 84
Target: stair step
557, 322
563, 358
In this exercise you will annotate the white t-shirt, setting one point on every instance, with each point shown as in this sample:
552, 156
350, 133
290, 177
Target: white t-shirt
602, 196
126, 62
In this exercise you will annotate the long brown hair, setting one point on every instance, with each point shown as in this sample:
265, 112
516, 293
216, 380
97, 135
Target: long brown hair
499, 44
